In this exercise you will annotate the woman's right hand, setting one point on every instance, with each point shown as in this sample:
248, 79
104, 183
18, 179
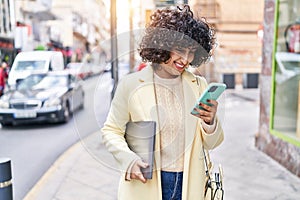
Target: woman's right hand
136, 172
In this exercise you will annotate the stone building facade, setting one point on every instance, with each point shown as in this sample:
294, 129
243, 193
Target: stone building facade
285, 152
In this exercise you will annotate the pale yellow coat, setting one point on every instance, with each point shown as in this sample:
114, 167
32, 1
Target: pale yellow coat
134, 100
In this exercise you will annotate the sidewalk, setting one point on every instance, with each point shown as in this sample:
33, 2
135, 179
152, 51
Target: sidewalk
80, 174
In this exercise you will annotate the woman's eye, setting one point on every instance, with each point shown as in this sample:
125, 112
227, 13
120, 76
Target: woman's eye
193, 50
180, 50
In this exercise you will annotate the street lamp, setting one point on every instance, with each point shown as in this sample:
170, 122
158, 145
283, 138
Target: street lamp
114, 45
131, 38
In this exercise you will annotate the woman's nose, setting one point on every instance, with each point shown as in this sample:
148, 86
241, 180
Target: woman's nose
187, 56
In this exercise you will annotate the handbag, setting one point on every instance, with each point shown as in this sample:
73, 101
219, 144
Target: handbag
213, 180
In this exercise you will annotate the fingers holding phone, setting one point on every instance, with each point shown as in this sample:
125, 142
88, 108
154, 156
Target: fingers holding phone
207, 105
206, 112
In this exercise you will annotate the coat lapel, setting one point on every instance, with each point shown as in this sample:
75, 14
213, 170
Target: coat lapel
147, 78
190, 89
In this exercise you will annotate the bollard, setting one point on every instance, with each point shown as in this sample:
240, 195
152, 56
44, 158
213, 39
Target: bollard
6, 190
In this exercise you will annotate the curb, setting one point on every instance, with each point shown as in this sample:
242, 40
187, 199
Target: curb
50, 182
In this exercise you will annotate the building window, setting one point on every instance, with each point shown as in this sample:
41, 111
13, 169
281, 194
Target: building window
285, 111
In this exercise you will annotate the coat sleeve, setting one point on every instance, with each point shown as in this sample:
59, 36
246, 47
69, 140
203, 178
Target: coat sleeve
113, 130
214, 139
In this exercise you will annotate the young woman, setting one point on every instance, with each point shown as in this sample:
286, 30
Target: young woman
166, 92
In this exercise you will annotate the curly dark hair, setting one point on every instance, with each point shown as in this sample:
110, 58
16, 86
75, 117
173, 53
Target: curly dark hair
170, 28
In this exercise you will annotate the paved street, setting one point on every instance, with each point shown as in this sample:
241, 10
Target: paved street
81, 173
33, 148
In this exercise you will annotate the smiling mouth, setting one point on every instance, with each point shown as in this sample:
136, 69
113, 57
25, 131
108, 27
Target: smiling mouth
179, 66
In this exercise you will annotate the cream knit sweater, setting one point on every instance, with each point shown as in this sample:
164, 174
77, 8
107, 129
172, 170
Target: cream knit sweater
170, 99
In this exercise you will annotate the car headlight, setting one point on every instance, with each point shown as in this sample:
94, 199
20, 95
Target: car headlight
4, 104
52, 102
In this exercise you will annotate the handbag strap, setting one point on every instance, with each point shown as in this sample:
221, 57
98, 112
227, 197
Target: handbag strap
207, 161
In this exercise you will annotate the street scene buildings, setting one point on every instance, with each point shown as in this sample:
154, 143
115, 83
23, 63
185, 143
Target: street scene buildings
257, 56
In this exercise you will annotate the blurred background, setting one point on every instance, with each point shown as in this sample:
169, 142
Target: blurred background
258, 52
81, 30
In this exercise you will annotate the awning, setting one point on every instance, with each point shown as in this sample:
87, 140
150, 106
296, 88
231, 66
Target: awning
41, 15
38, 11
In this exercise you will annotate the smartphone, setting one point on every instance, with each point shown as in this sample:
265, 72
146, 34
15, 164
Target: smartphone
213, 91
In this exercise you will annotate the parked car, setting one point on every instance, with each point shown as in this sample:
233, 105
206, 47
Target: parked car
79, 70
29, 62
50, 97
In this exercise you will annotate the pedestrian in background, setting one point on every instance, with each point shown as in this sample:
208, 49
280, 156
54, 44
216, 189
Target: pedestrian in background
3, 77
141, 66
69, 54
166, 92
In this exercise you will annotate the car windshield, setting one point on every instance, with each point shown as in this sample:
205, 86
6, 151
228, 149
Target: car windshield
36, 82
30, 65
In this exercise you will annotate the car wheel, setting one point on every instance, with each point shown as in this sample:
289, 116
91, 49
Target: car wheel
66, 113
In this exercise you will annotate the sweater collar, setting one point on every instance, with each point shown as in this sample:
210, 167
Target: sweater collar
147, 75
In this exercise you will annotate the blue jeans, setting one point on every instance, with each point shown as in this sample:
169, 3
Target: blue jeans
171, 183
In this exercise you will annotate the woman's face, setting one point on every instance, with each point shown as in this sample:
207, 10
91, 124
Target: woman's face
180, 58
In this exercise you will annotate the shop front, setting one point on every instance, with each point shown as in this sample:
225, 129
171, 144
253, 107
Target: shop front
7, 50
279, 131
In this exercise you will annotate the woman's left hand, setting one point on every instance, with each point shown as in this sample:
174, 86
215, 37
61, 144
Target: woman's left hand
209, 111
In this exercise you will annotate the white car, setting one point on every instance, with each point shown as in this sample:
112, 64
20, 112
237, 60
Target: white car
29, 62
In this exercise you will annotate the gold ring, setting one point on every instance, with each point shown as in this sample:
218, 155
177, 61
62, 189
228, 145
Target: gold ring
5, 184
